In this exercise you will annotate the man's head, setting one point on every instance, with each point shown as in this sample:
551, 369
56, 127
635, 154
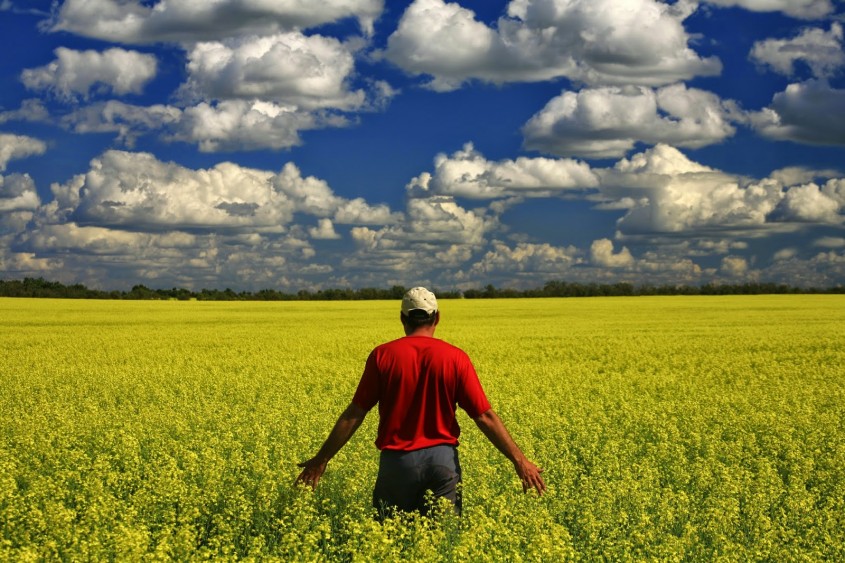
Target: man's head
419, 309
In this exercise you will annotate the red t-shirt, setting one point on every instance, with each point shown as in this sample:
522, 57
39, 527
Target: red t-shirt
417, 382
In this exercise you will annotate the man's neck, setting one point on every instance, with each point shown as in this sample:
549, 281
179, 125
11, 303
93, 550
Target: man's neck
422, 331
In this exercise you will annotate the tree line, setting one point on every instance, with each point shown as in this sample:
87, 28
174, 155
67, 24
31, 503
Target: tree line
39, 287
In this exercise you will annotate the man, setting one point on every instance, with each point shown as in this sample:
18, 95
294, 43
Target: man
418, 381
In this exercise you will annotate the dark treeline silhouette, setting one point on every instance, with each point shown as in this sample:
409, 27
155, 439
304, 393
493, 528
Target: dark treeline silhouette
39, 287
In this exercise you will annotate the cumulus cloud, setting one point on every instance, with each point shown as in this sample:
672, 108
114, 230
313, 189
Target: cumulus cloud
441, 219
140, 218
590, 41
608, 122
467, 173
137, 22
601, 254
804, 9
706, 247
171, 258
101, 241
734, 266
27, 264
290, 69
792, 175
821, 51
673, 194
313, 196
254, 79
323, 230
660, 190
537, 259
824, 269
30, 110
809, 112
436, 234
213, 127
243, 125
785, 254
830, 242
128, 121
76, 73
135, 191
526, 264
809, 203
358, 212
14, 147
17, 193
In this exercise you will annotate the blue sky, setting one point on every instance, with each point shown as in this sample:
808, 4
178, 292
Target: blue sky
303, 145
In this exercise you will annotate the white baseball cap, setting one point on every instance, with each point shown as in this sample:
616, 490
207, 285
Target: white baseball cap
419, 299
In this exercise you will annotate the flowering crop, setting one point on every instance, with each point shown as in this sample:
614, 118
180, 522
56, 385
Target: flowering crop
689, 428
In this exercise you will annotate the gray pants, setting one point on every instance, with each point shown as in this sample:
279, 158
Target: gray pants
404, 477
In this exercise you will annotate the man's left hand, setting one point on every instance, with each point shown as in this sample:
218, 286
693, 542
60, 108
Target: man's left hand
312, 470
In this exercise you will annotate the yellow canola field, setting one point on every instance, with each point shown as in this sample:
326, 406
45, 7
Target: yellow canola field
670, 428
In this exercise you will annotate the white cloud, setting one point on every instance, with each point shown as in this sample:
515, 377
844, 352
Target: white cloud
706, 247
793, 175
289, 69
601, 254
173, 258
808, 112
467, 173
77, 73
830, 242
227, 125
608, 122
91, 240
441, 219
31, 110
675, 194
313, 196
358, 212
127, 120
13, 147
436, 235
804, 9
188, 21
26, 264
821, 51
785, 254
17, 193
323, 230
243, 125
808, 203
591, 41
660, 189
734, 267
825, 269
135, 191
536, 259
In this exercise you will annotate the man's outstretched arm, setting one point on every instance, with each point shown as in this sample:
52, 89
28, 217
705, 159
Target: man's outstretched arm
493, 427
344, 428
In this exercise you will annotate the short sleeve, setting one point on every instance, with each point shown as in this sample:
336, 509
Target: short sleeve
367, 394
471, 395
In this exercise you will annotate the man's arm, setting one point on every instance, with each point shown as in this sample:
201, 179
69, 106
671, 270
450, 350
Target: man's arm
493, 427
344, 428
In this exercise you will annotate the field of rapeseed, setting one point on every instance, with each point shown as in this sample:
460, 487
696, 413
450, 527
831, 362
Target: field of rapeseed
670, 429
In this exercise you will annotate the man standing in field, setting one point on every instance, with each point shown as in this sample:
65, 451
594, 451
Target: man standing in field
418, 382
